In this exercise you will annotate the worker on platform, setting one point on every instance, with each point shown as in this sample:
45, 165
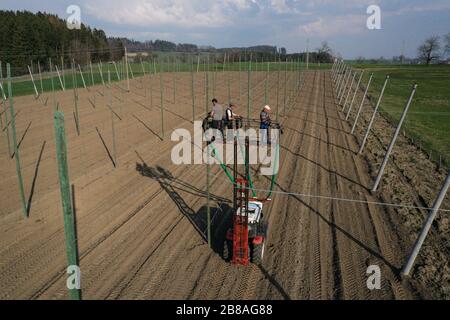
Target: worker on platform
217, 116
265, 124
231, 117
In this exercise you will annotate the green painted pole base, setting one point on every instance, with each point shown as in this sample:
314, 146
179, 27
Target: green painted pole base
66, 199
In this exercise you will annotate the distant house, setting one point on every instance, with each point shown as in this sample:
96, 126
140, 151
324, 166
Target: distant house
136, 56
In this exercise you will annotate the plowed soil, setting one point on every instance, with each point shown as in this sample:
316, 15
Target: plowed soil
141, 220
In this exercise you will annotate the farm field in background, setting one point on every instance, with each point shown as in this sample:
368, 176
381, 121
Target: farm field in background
24, 86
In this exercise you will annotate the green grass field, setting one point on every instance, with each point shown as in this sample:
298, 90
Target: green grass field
24, 86
428, 119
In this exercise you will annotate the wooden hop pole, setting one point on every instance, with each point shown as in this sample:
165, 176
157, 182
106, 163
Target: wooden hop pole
32, 80
126, 68
53, 84
174, 80
14, 140
228, 80
59, 76
143, 77
100, 70
75, 97
249, 90
278, 89
1, 82
292, 80
192, 89
143, 67
215, 76
117, 70
92, 73
161, 85
82, 77
198, 63
206, 90
265, 81
239, 78
62, 71
131, 70
208, 167
5, 112
285, 86
150, 83
40, 77
113, 131
208, 207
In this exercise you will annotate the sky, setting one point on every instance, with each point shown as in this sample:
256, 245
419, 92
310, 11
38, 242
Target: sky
293, 24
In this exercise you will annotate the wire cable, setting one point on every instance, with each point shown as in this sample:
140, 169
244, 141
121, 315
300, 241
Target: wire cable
304, 195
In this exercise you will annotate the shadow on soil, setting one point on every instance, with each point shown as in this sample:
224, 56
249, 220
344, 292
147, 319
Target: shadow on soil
220, 210
33, 184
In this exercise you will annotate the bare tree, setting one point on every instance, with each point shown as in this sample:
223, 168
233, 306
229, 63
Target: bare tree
429, 50
325, 48
324, 53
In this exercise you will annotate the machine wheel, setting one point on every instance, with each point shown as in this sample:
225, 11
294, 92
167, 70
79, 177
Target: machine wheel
257, 253
227, 251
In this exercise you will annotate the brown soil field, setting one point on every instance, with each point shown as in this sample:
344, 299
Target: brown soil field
141, 220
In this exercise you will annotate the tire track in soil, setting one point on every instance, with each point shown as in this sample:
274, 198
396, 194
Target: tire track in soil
52, 243
353, 274
327, 249
285, 214
359, 230
307, 256
247, 281
313, 250
367, 227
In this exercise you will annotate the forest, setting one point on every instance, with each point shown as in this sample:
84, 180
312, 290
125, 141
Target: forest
26, 36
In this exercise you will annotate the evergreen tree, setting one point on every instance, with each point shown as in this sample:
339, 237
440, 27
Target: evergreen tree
27, 37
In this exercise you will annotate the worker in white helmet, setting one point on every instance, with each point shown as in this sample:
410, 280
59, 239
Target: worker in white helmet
265, 124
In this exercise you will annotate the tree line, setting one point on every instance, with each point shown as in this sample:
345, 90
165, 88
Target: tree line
434, 49
184, 52
28, 38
